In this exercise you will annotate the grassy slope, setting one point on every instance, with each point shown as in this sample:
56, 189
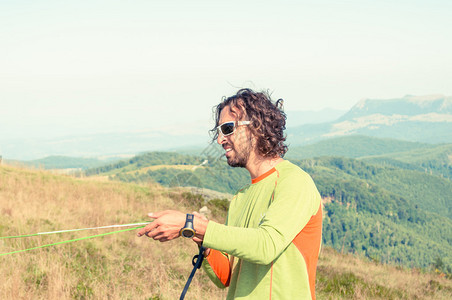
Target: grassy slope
122, 266
119, 266
346, 276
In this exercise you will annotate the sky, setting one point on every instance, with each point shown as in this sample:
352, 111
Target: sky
78, 67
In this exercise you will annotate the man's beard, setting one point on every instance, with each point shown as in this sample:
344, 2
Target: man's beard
240, 159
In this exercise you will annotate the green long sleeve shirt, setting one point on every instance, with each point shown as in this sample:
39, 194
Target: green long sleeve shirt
271, 239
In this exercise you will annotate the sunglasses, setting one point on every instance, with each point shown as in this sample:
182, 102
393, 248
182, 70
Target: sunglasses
228, 128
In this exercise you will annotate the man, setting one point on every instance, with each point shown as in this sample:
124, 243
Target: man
269, 246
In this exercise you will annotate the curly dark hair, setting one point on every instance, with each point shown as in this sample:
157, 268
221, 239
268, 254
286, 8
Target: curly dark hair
268, 120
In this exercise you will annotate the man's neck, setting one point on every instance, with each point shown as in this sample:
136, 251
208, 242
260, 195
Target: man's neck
261, 165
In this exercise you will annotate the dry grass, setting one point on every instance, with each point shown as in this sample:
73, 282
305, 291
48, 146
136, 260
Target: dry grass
119, 266
346, 276
122, 266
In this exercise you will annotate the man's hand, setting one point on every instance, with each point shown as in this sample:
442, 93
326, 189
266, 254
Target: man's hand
166, 225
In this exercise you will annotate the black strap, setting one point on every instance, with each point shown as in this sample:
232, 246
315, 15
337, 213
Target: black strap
197, 262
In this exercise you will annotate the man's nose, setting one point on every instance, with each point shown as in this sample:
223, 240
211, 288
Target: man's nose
221, 139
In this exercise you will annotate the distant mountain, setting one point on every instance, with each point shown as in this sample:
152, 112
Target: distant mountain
406, 106
193, 135
297, 118
418, 119
425, 119
112, 144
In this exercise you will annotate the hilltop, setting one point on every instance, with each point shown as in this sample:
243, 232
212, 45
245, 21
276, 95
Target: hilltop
426, 119
122, 266
423, 107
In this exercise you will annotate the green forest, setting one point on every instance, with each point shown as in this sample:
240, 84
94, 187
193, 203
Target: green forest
393, 213
385, 224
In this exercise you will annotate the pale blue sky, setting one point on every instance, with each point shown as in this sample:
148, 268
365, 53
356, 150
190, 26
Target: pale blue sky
70, 67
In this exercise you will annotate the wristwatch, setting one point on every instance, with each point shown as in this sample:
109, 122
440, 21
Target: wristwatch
188, 231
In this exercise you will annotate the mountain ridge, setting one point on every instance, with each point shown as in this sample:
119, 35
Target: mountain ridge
407, 105
425, 119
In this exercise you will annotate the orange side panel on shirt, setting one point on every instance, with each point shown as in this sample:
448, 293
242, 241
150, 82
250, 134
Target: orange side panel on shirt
308, 243
220, 264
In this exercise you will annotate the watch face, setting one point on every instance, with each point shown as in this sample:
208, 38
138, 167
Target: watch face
187, 233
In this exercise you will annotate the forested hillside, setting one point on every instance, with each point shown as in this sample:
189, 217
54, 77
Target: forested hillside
353, 146
427, 158
386, 224
383, 212
434, 160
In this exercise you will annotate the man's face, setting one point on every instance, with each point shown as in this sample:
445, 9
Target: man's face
237, 145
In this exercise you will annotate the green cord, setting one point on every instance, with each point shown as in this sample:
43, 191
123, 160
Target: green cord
69, 241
